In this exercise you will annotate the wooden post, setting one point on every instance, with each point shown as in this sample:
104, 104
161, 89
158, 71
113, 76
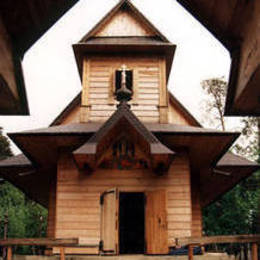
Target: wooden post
62, 253
254, 251
190, 252
9, 253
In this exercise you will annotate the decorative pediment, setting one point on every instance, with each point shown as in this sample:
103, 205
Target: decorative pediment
123, 123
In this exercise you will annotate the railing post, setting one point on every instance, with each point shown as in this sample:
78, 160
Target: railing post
254, 251
190, 252
62, 253
9, 253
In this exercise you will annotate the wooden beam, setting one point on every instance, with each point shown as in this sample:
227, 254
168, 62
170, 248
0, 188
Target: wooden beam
218, 240
39, 242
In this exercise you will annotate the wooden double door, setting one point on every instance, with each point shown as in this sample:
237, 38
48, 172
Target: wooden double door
134, 222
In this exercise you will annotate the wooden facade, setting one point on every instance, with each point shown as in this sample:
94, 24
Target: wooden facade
98, 101
116, 170
78, 209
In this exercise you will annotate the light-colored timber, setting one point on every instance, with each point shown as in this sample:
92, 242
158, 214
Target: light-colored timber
149, 90
124, 23
78, 197
98, 149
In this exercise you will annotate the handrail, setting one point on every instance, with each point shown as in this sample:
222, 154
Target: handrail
39, 242
217, 240
199, 241
62, 243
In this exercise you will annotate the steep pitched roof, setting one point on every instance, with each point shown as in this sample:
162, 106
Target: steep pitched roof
139, 43
124, 4
124, 120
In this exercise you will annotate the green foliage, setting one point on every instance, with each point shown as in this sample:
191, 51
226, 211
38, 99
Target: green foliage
25, 217
237, 211
234, 213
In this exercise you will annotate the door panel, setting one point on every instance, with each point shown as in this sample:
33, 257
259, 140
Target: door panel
156, 223
109, 222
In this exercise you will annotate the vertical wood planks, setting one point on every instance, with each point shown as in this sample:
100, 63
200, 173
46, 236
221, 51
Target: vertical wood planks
156, 222
109, 221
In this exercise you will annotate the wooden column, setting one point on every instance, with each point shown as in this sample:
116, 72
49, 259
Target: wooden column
190, 252
62, 253
9, 253
254, 251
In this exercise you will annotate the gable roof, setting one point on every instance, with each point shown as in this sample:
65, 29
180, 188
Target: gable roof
123, 4
124, 120
157, 43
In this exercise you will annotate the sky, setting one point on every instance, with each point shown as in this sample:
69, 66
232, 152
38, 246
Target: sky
51, 75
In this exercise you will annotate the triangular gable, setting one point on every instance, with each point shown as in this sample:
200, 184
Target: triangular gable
124, 20
123, 121
71, 113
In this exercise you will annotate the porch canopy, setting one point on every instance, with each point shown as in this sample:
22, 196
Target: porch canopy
219, 170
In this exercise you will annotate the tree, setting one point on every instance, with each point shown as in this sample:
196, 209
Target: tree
25, 217
237, 211
216, 90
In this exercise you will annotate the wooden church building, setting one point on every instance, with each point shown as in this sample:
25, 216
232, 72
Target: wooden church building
125, 167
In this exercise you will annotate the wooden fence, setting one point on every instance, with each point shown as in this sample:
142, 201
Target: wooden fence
191, 242
51, 242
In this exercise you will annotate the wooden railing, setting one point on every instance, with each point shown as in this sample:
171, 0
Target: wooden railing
49, 242
191, 242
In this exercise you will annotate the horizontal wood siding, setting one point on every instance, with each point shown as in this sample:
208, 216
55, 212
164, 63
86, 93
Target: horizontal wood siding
196, 206
78, 208
98, 87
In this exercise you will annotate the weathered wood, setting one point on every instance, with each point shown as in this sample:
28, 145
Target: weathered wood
39, 241
254, 251
218, 240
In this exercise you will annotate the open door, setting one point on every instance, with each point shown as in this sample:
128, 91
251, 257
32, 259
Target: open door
109, 222
156, 223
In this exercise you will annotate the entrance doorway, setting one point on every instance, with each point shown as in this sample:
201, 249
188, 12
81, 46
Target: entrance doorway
131, 223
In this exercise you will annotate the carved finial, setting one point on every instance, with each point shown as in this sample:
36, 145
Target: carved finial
123, 94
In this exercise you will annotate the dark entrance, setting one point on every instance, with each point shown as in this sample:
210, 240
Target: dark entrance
131, 223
